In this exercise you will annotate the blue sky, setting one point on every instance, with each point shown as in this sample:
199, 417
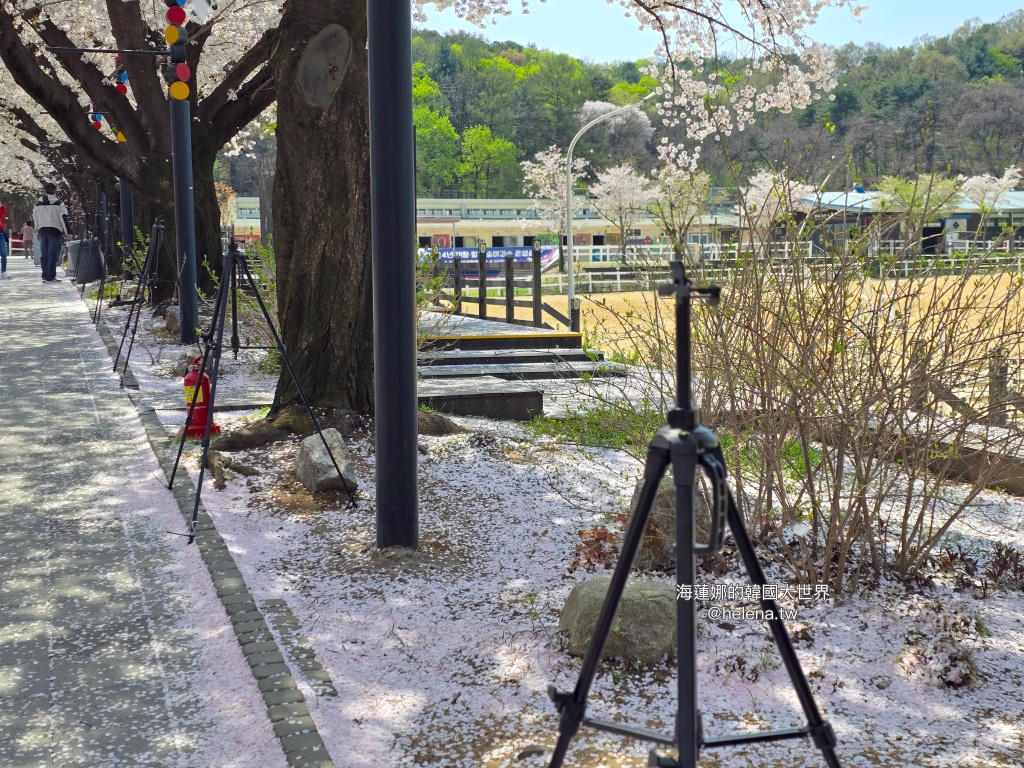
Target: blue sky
593, 29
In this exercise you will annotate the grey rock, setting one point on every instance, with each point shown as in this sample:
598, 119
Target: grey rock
657, 548
181, 365
644, 629
436, 424
172, 320
313, 465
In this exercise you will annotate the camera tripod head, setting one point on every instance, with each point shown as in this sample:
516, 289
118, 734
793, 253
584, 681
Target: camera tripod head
684, 415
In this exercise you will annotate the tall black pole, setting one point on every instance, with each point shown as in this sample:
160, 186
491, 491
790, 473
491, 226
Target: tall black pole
184, 209
393, 208
127, 220
101, 220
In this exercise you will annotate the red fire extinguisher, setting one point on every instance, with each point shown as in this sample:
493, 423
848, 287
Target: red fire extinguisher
198, 426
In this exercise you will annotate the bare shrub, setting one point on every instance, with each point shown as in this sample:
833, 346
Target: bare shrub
850, 386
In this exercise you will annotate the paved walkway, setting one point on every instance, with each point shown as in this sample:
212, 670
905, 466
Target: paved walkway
114, 650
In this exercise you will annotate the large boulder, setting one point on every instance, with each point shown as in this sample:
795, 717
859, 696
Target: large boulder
436, 424
314, 468
657, 548
644, 629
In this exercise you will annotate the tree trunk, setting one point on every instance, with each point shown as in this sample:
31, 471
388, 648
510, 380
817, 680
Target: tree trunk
322, 204
210, 260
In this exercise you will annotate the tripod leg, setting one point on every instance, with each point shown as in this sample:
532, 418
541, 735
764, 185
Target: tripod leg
218, 324
688, 729
288, 364
136, 304
218, 304
573, 706
821, 731
235, 342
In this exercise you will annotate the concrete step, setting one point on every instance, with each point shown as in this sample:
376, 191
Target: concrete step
523, 371
501, 336
481, 396
507, 356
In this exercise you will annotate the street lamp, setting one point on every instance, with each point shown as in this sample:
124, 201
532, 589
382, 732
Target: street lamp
568, 197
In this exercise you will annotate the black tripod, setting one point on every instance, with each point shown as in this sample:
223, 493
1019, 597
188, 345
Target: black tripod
235, 265
157, 244
685, 444
113, 228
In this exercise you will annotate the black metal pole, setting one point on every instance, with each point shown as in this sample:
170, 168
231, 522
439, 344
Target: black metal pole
393, 206
102, 213
184, 210
127, 221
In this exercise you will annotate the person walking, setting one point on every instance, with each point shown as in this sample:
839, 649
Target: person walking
27, 233
52, 226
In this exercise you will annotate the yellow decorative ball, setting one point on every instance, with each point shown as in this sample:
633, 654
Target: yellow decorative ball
179, 90
171, 34
121, 137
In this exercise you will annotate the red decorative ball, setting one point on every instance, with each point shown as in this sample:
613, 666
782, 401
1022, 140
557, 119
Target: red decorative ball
122, 87
183, 72
176, 15
97, 124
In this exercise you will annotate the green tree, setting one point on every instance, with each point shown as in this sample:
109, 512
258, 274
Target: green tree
437, 152
495, 103
489, 166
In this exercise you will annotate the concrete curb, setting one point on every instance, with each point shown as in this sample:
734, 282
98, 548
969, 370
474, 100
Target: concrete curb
286, 707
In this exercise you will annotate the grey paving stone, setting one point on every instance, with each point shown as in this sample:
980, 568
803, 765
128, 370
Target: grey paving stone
284, 711
294, 726
303, 741
248, 649
268, 657
30, 678
246, 617
244, 628
288, 696
270, 670
280, 683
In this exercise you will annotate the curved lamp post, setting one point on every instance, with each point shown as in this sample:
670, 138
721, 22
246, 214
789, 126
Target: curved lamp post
570, 267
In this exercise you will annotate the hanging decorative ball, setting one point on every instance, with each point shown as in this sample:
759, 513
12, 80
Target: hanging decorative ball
182, 71
97, 124
176, 15
121, 138
98, 117
179, 90
122, 87
172, 34
123, 77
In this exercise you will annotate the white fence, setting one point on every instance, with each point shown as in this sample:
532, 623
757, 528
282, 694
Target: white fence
644, 274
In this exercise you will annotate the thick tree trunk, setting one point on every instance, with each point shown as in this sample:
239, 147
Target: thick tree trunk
322, 203
207, 217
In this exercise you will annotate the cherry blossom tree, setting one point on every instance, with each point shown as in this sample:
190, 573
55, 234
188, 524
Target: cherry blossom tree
545, 182
232, 83
771, 197
681, 196
621, 195
988, 192
792, 70
247, 53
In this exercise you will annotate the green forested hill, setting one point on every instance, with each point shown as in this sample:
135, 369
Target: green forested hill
953, 105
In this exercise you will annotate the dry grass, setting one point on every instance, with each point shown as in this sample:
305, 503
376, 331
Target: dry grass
606, 316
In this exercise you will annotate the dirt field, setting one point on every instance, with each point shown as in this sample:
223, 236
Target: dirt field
628, 319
